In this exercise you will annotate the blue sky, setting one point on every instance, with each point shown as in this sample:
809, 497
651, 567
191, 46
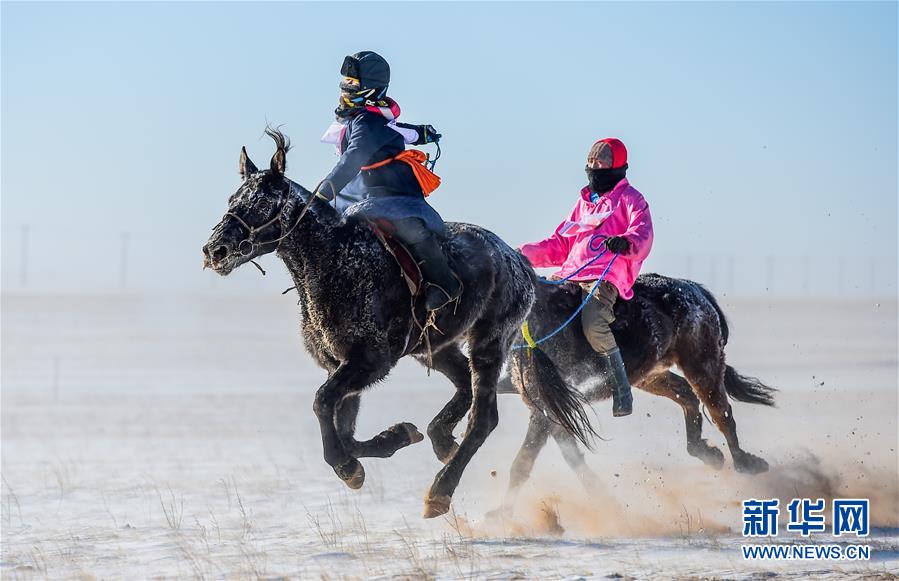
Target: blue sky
757, 131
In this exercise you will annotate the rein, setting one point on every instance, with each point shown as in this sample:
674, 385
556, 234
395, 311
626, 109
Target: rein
254, 230
592, 245
530, 343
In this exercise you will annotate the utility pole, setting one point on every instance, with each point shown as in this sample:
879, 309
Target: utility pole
806, 275
23, 263
55, 377
872, 277
842, 270
123, 270
731, 286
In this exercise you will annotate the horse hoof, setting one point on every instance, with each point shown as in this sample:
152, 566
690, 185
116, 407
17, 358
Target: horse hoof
750, 464
436, 506
714, 458
352, 473
411, 432
710, 455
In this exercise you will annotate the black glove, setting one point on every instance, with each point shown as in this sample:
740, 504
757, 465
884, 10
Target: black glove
426, 133
617, 244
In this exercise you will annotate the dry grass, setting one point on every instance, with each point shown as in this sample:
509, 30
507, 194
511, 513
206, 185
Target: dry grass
329, 530
172, 508
10, 499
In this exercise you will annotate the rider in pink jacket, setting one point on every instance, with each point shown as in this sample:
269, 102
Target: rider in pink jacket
610, 217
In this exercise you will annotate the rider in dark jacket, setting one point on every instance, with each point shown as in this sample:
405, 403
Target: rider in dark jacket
389, 194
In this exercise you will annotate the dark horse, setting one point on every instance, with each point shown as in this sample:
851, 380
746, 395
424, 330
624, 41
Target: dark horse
668, 322
359, 319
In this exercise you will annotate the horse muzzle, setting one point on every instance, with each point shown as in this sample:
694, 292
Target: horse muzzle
220, 257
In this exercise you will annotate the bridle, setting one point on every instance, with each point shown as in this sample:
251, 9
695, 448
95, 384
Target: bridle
254, 230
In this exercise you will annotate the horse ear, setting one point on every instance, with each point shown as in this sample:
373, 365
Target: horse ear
279, 162
246, 166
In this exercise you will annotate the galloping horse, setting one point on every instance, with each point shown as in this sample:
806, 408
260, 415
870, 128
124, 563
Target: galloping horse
359, 319
668, 322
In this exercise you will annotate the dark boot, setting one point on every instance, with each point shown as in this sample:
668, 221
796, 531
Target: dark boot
622, 398
441, 284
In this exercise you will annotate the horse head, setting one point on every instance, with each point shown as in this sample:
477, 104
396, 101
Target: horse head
260, 213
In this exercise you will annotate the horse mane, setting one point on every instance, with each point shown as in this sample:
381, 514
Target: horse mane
282, 142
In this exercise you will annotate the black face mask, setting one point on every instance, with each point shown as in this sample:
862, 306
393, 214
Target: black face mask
343, 112
603, 180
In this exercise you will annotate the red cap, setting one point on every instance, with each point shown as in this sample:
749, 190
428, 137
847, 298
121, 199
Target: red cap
607, 153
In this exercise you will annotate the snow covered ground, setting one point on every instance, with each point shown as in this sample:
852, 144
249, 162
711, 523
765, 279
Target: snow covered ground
149, 437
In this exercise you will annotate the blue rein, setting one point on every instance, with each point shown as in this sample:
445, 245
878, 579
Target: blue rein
586, 264
531, 343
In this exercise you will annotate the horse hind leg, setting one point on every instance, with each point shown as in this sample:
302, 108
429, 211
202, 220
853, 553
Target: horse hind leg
540, 427
707, 379
574, 457
678, 390
451, 362
383, 445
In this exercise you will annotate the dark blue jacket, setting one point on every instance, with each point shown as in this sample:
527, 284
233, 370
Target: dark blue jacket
369, 140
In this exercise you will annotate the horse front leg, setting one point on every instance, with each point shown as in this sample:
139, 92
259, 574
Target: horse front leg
383, 445
487, 356
452, 363
348, 379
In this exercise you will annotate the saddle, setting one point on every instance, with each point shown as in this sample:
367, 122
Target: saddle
410, 269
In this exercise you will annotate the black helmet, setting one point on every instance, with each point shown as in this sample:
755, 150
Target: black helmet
369, 67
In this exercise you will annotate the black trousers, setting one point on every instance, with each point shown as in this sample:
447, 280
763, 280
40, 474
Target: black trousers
409, 231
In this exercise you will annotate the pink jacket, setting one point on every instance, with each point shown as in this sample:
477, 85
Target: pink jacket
620, 212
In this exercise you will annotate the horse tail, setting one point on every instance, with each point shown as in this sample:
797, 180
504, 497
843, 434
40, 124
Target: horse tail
747, 389
725, 330
546, 389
